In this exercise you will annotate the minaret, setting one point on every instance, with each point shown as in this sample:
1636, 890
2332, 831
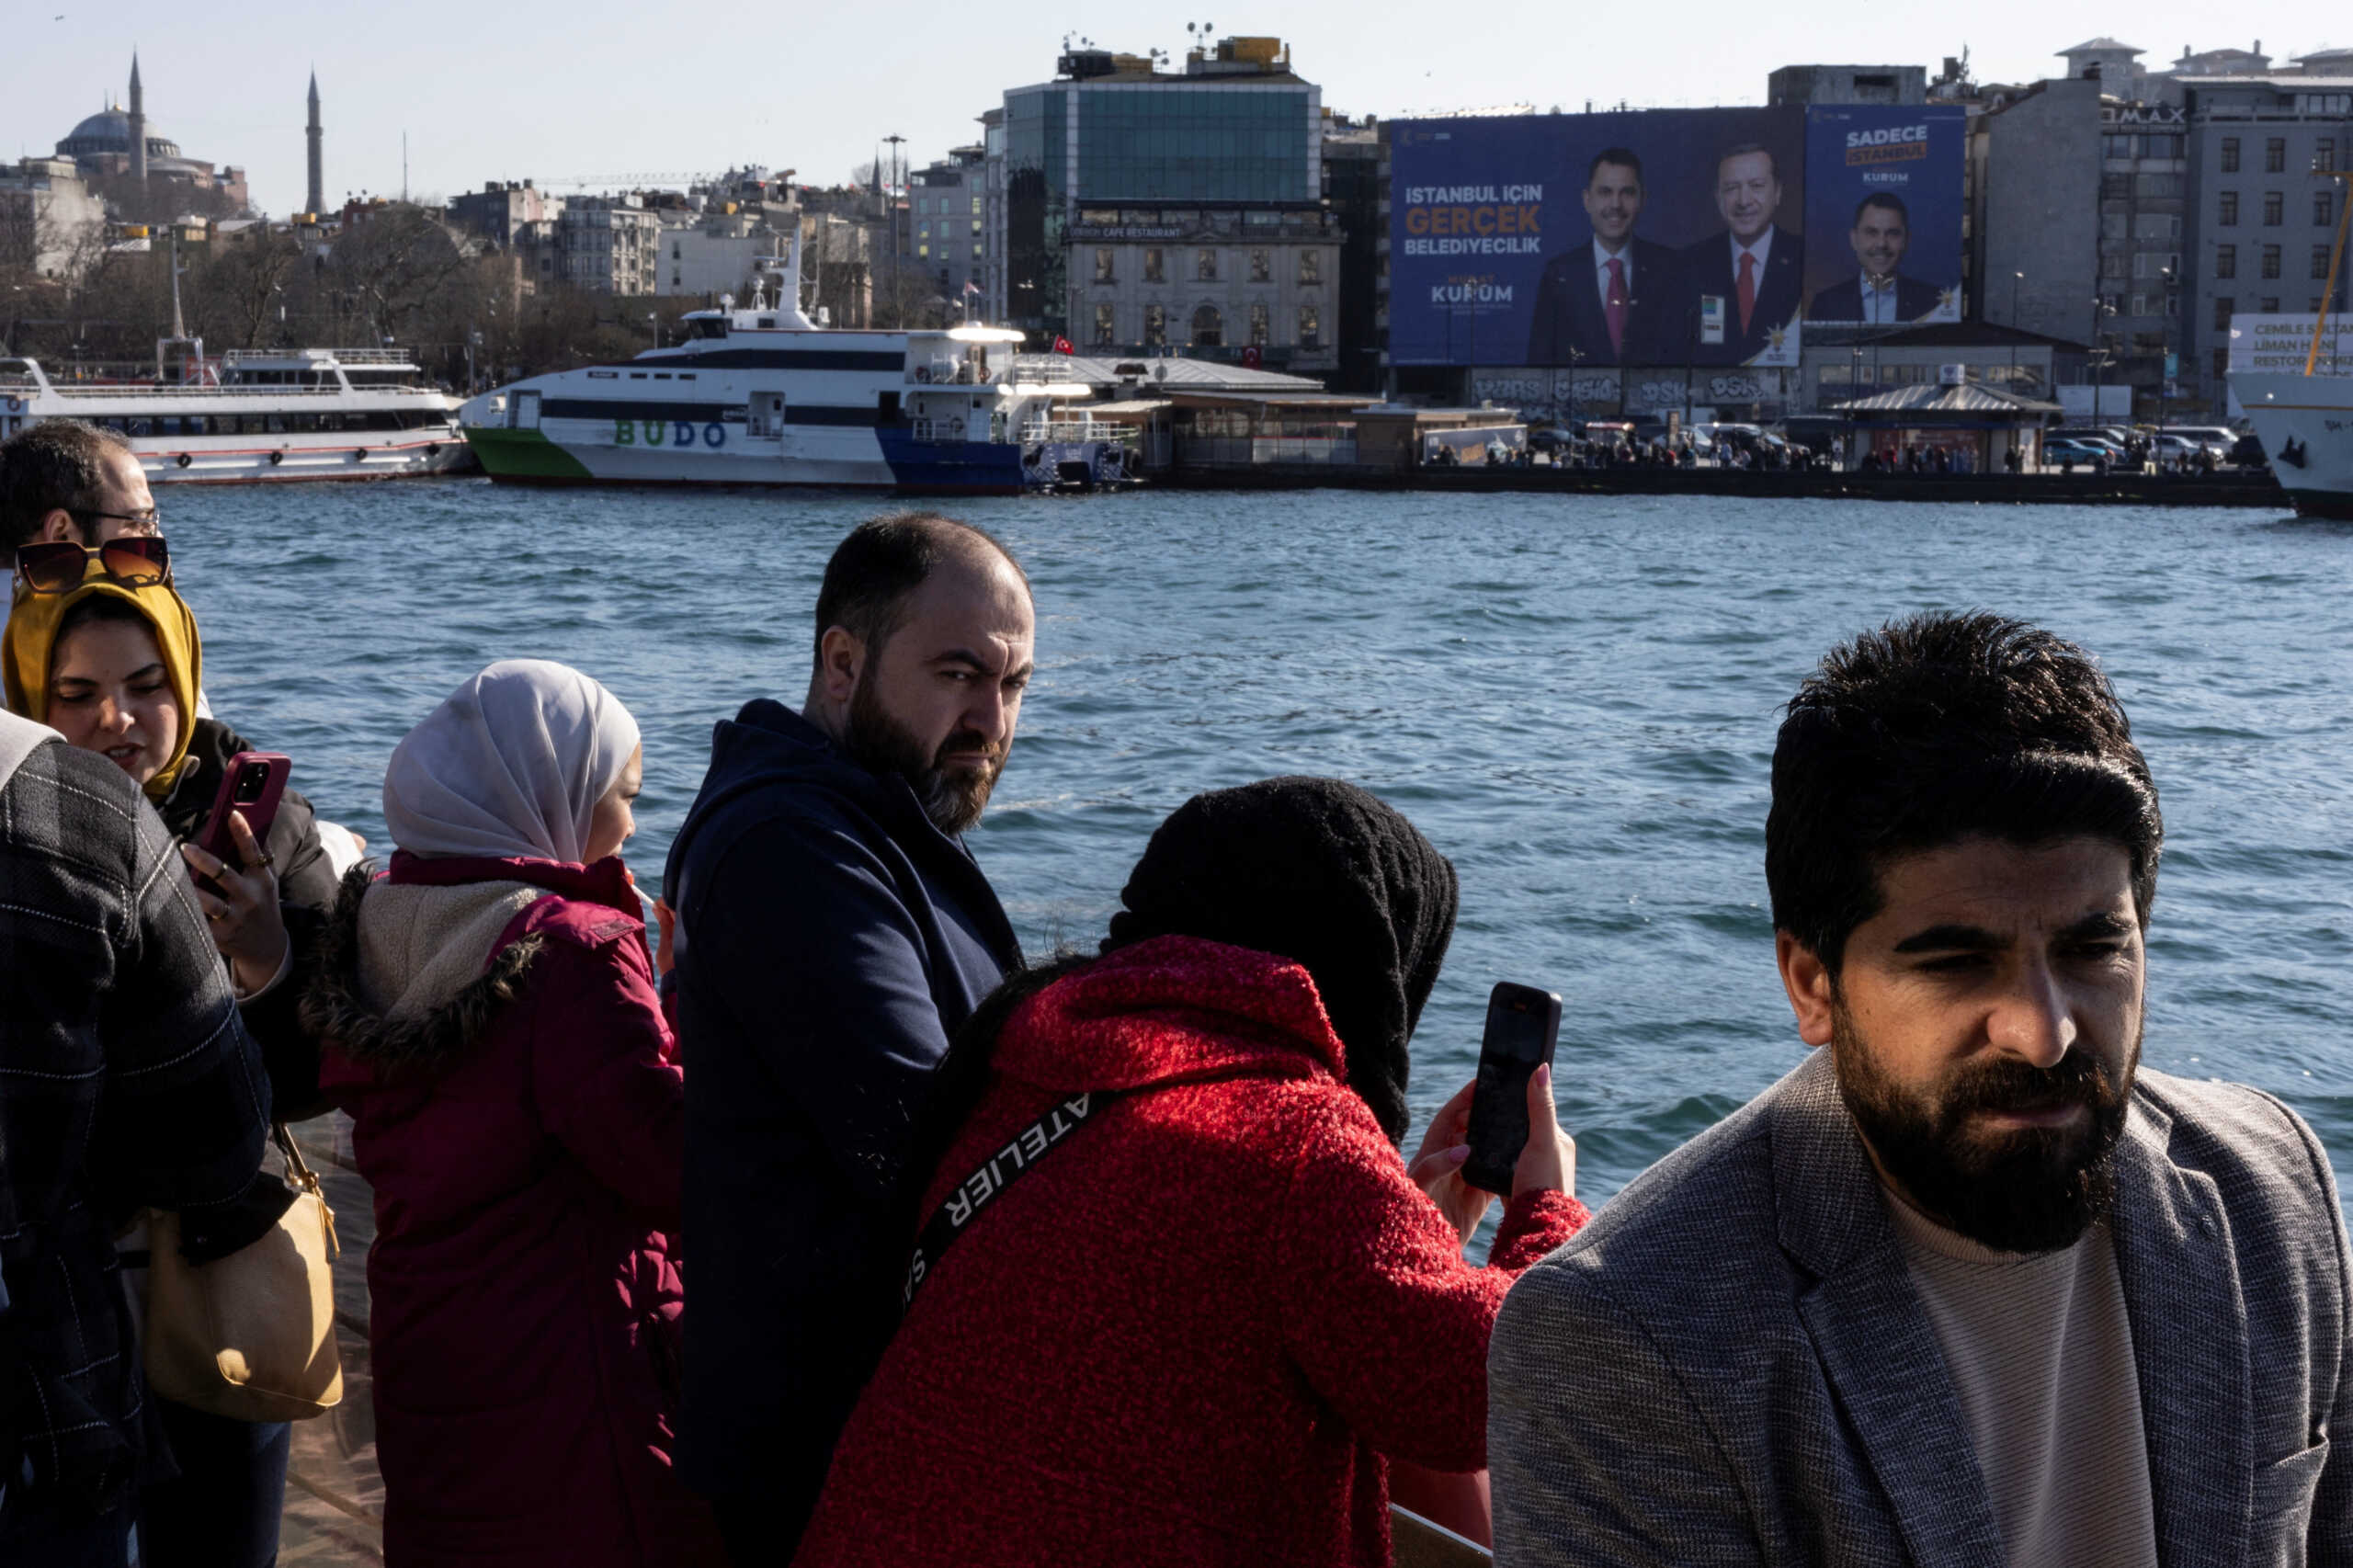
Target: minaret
318, 173
138, 123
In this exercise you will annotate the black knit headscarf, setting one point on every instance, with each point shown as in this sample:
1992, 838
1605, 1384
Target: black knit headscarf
1322, 874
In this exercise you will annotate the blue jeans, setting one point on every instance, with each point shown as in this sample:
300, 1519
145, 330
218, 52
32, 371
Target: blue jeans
223, 1509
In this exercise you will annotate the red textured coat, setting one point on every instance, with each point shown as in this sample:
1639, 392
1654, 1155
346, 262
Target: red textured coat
524, 1284
1189, 1334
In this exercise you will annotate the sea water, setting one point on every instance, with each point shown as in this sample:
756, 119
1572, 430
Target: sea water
1574, 698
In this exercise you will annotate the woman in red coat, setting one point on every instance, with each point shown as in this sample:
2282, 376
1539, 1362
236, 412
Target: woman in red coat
1200, 1329
519, 1107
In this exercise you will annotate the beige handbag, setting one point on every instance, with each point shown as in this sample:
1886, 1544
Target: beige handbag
249, 1337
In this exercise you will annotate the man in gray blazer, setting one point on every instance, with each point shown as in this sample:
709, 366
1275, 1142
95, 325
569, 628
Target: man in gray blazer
1967, 1287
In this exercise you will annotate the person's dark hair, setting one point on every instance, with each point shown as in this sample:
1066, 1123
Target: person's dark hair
1311, 869
101, 609
1741, 149
878, 568
1936, 729
57, 463
1886, 198
1619, 156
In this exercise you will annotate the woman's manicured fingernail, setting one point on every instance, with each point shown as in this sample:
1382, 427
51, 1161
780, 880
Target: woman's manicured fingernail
1458, 1153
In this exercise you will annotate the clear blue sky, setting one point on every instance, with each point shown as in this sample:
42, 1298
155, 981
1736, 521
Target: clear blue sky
510, 89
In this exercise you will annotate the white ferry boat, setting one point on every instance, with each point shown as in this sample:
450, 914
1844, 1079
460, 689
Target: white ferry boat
767, 396
304, 414
2305, 424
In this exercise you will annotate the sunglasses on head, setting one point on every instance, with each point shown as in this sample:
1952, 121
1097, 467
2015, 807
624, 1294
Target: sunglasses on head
60, 566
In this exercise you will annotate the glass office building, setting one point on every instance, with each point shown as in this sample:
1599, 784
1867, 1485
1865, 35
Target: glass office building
1159, 146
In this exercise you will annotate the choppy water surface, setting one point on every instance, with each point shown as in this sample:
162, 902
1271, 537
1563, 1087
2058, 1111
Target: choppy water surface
1574, 698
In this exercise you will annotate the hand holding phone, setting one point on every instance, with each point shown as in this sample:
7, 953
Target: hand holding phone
250, 786
1523, 1024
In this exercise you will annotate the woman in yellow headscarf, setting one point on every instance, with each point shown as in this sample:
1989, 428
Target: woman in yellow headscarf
115, 669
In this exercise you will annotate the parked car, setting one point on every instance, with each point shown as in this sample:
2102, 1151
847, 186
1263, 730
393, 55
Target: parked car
2175, 447
2061, 450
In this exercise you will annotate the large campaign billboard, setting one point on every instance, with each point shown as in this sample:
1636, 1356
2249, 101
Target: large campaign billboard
1653, 237
1884, 206
1668, 237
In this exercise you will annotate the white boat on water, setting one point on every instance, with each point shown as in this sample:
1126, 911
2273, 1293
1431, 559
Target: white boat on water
766, 395
275, 415
2305, 424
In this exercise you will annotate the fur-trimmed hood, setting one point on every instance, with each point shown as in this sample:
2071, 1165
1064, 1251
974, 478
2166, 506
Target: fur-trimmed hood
411, 975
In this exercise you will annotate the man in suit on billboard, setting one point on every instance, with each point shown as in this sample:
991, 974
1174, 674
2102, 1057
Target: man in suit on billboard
1879, 295
1754, 266
1610, 301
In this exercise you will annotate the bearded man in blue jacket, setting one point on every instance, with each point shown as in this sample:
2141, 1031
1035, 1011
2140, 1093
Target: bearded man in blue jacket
832, 933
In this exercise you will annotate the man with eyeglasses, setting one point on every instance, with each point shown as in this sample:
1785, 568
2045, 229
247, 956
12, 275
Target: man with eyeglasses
62, 480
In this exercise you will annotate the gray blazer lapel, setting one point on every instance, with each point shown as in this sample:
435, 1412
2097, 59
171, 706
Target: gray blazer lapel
2190, 1345
1867, 1325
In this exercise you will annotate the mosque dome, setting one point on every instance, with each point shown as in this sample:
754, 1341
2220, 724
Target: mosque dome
109, 131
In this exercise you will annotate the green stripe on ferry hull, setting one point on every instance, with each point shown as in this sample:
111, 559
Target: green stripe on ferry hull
522, 454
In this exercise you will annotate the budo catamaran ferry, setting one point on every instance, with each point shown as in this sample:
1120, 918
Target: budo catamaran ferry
296, 414
767, 396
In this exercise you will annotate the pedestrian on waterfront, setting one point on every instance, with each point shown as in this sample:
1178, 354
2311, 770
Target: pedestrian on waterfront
517, 1106
1204, 1330
113, 665
127, 1081
832, 932
2008, 1296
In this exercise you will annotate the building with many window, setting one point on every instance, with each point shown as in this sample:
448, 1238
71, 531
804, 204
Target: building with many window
2264, 214
605, 244
2144, 210
945, 232
1148, 208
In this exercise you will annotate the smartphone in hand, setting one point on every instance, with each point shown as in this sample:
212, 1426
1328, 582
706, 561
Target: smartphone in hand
1523, 1023
251, 786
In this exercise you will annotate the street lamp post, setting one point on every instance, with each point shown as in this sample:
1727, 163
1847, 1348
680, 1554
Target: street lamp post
1854, 395
2016, 279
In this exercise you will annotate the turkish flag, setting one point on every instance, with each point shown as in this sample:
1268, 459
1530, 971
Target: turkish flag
1251, 357
1062, 346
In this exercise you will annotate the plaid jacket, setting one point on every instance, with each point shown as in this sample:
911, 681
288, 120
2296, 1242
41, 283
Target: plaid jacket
126, 1079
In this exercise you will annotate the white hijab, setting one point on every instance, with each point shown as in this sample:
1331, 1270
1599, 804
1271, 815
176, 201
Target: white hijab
512, 764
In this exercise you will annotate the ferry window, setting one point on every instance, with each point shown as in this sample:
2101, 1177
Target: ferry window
330, 421
2230, 207
1205, 265
767, 321
253, 425
1104, 269
167, 427
1310, 327
2226, 261
1262, 268
1155, 325
1310, 267
637, 375
1104, 333
1154, 271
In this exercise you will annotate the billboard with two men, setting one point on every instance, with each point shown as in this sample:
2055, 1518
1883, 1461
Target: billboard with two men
1668, 237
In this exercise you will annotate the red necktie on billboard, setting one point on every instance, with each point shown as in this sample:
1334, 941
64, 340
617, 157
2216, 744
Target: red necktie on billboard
1747, 289
1615, 309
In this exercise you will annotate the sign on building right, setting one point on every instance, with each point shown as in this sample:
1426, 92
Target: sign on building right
1883, 211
